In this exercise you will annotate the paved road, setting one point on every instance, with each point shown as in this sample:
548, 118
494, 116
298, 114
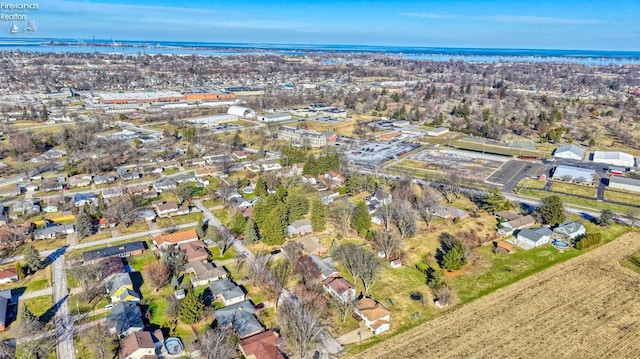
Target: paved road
212, 220
63, 320
104, 241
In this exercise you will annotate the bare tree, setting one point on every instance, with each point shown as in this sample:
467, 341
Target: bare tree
351, 256
223, 238
632, 215
158, 273
427, 204
385, 212
342, 215
217, 343
292, 251
404, 219
6, 350
95, 336
445, 295
387, 242
124, 210
280, 274
343, 306
174, 259
370, 270
90, 278
299, 323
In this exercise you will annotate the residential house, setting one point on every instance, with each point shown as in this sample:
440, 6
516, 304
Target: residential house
261, 346
125, 318
507, 228
121, 251
53, 231
204, 273
170, 165
241, 317
534, 237
50, 205
209, 171
312, 245
79, 181
507, 215
164, 184
147, 215
129, 175
195, 251
120, 288
142, 190
340, 289
195, 162
383, 197
166, 209
309, 179
8, 275
6, 308
185, 177
104, 179
226, 291
300, 227
27, 206
80, 199
10, 192
375, 315
137, 345
324, 266
240, 202
570, 230
49, 185
164, 240
112, 192
447, 212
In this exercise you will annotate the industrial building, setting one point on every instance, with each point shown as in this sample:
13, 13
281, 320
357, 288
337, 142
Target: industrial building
574, 174
620, 159
241, 111
625, 183
141, 97
274, 117
570, 151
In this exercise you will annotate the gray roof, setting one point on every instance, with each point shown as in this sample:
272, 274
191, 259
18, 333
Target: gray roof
325, 267
534, 235
573, 172
569, 228
125, 316
5, 301
220, 286
624, 180
241, 317
569, 148
118, 280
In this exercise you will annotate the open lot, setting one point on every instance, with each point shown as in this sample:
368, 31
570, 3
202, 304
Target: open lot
586, 307
376, 153
510, 173
470, 165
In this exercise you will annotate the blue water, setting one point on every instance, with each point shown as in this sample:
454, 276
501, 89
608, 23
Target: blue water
591, 57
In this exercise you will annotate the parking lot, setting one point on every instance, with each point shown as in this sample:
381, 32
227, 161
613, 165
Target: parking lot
511, 172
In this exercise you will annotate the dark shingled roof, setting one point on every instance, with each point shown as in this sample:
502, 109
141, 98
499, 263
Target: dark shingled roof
112, 251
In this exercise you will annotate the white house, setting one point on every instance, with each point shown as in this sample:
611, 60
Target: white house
340, 289
375, 315
535, 237
570, 229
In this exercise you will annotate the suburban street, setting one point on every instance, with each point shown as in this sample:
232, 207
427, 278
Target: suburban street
63, 320
104, 241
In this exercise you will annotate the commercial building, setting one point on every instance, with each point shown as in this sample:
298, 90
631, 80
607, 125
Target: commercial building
574, 174
570, 151
141, 97
437, 131
241, 111
301, 138
625, 183
274, 117
620, 159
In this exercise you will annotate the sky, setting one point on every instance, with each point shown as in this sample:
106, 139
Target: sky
532, 24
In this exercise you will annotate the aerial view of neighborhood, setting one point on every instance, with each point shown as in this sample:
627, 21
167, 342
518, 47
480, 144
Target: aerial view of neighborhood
185, 200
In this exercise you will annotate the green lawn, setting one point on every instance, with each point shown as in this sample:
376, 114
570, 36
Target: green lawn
574, 189
38, 305
622, 196
134, 228
178, 220
215, 253
78, 305
37, 281
632, 262
532, 183
499, 150
568, 199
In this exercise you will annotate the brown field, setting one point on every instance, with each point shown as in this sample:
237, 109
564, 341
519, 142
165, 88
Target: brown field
587, 307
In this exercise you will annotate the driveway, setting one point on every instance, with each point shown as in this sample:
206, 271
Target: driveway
356, 336
64, 322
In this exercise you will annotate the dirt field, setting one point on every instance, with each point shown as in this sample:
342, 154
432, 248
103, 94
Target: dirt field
587, 307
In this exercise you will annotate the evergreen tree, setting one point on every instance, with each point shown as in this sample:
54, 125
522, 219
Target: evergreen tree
261, 188
335, 245
318, 216
32, 258
191, 308
454, 259
495, 201
606, 218
200, 229
552, 211
297, 205
84, 223
310, 166
274, 229
361, 220
238, 223
251, 232
19, 270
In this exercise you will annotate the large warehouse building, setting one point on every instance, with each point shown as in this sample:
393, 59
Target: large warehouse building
625, 183
575, 174
569, 151
620, 159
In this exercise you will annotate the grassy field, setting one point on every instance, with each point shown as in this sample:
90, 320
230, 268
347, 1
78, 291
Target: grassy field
39, 305
622, 196
178, 220
591, 297
568, 199
531, 183
493, 149
574, 189
37, 281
